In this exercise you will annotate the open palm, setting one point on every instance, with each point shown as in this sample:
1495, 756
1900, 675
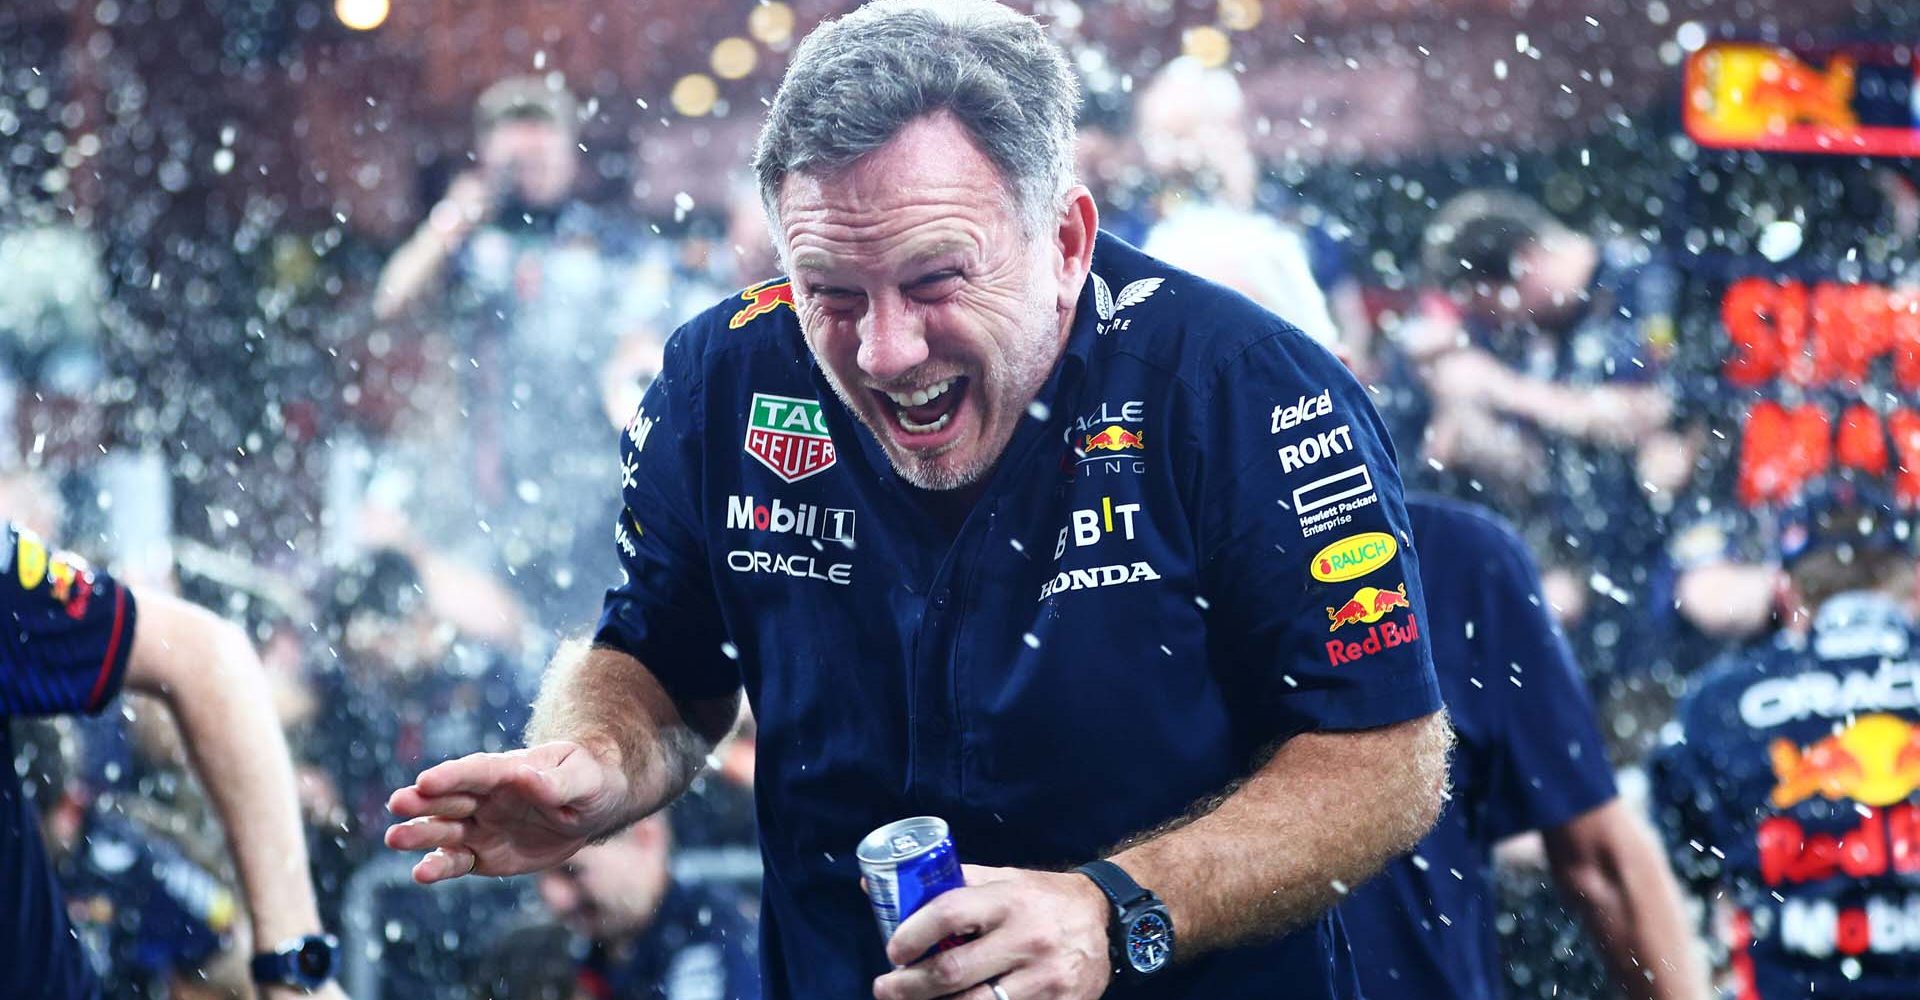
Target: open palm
506, 813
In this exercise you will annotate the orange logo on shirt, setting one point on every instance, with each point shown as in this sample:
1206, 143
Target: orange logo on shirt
761, 300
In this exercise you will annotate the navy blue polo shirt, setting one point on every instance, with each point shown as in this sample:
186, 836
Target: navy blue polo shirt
65, 631
1192, 549
698, 947
1528, 756
1790, 787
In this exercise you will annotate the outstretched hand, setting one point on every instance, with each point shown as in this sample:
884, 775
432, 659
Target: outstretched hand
507, 813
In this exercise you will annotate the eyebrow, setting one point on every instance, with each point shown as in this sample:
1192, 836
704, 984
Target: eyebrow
815, 260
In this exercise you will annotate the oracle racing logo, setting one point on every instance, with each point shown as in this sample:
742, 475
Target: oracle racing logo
800, 567
834, 524
1110, 439
1780, 700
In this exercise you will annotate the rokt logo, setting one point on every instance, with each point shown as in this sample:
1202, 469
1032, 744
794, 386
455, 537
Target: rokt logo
1314, 447
1353, 557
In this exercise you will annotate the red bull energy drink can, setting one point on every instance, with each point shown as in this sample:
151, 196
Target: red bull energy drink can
907, 863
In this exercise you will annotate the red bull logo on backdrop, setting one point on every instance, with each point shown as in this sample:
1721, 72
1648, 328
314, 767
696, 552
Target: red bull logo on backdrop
1874, 761
761, 300
1368, 605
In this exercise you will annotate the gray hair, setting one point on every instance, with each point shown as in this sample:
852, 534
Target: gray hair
856, 82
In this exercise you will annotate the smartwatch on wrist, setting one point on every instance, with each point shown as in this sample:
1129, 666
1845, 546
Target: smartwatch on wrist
1140, 935
304, 963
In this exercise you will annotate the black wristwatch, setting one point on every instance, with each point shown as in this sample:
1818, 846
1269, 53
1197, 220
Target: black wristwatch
304, 962
1140, 936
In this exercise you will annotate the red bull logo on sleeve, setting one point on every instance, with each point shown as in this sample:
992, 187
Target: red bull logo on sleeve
762, 299
1368, 605
1874, 761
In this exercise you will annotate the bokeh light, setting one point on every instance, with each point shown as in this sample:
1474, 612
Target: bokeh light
694, 94
771, 23
1240, 15
733, 58
362, 15
1207, 45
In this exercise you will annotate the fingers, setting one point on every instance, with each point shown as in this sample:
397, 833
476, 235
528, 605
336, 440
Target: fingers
408, 803
962, 912
427, 834
444, 863
474, 774
961, 971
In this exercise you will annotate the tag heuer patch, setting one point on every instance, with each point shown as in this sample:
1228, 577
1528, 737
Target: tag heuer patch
789, 436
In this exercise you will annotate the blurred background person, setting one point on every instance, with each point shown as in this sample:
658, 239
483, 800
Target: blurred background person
647, 936
533, 284
1544, 399
78, 637
1789, 786
1528, 758
1192, 128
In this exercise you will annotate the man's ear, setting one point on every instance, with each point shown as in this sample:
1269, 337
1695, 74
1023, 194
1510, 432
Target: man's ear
1073, 244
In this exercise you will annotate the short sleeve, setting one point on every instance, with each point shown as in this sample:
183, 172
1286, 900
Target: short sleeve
664, 611
1307, 557
68, 630
1551, 764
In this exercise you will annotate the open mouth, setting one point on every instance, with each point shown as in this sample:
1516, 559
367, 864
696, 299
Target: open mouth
929, 410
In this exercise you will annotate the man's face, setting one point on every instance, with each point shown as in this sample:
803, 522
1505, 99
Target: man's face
934, 317
533, 161
610, 890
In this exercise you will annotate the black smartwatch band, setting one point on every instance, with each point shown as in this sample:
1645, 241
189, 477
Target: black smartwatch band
1120, 888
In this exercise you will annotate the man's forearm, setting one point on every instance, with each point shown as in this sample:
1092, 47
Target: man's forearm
1319, 817
1610, 865
612, 704
411, 271
213, 683
1607, 414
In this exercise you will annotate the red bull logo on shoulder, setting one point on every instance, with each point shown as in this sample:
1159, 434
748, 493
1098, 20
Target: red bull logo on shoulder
762, 299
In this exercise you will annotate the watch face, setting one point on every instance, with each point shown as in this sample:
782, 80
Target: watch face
314, 962
1149, 941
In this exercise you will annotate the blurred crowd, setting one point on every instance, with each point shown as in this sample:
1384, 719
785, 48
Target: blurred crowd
444, 458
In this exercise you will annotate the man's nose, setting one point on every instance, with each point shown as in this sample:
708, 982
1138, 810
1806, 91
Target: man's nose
892, 339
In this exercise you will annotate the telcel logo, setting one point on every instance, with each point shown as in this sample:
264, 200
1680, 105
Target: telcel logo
1289, 416
1354, 556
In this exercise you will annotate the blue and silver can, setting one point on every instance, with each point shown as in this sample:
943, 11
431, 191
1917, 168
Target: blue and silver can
907, 863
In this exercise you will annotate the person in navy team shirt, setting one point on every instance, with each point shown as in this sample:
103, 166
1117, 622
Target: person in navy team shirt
1527, 756
649, 936
1001, 520
1790, 791
73, 639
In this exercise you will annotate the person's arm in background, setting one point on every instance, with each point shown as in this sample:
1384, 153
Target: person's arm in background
1607, 861
415, 269
208, 675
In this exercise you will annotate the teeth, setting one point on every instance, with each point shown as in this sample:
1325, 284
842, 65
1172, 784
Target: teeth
922, 397
913, 428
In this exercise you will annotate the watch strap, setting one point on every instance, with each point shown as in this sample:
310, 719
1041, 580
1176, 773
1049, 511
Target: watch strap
1120, 888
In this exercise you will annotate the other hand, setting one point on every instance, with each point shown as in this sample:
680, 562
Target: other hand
506, 813
1037, 935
